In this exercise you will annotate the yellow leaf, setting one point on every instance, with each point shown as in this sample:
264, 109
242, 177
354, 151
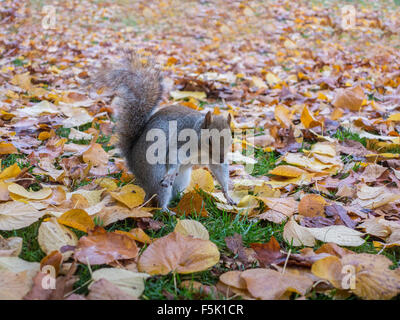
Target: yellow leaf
44, 135
192, 228
107, 183
138, 234
7, 148
202, 179
10, 172
282, 114
258, 82
178, 95
272, 79
130, 195
394, 117
34, 195
77, 219
287, 171
308, 120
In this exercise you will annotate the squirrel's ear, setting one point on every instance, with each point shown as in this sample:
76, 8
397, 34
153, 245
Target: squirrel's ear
229, 119
207, 120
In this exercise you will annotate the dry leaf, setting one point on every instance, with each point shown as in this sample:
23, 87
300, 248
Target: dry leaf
191, 202
130, 195
103, 247
77, 219
202, 179
18, 190
16, 215
192, 228
10, 247
131, 283
268, 284
312, 205
366, 275
178, 253
52, 236
350, 98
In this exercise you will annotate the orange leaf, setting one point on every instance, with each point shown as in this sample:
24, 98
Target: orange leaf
191, 202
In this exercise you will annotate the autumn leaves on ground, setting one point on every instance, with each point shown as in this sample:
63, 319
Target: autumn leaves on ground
316, 218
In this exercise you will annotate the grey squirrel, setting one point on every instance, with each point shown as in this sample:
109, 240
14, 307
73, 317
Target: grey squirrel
138, 83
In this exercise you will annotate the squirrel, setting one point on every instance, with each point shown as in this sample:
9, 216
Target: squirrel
137, 82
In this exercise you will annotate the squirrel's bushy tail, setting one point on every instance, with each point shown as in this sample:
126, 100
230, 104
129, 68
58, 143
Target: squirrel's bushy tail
138, 83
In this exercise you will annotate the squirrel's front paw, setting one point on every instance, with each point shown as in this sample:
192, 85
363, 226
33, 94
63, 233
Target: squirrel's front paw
168, 180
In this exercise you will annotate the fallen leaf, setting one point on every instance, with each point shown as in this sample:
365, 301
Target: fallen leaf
178, 253
77, 219
130, 195
10, 247
350, 98
33, 195
268, 253
103, 247
269, 284
131, 283
312, 205
202, 179
191, 202
16, 215
371, 276
52, 237
192, 228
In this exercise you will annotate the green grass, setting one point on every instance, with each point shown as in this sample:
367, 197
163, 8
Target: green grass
266, 161
343, 134
30, 248
10, 159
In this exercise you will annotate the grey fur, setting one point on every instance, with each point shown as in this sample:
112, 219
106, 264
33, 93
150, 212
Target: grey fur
139, 87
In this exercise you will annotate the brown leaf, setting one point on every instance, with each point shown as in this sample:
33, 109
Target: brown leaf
150, 224
268, 253
268, 284
350, 98
103, 247
235, 244
312, 205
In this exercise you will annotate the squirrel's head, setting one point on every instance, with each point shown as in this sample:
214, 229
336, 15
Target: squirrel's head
219, 139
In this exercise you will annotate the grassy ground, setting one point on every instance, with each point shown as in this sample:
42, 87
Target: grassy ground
219, 224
